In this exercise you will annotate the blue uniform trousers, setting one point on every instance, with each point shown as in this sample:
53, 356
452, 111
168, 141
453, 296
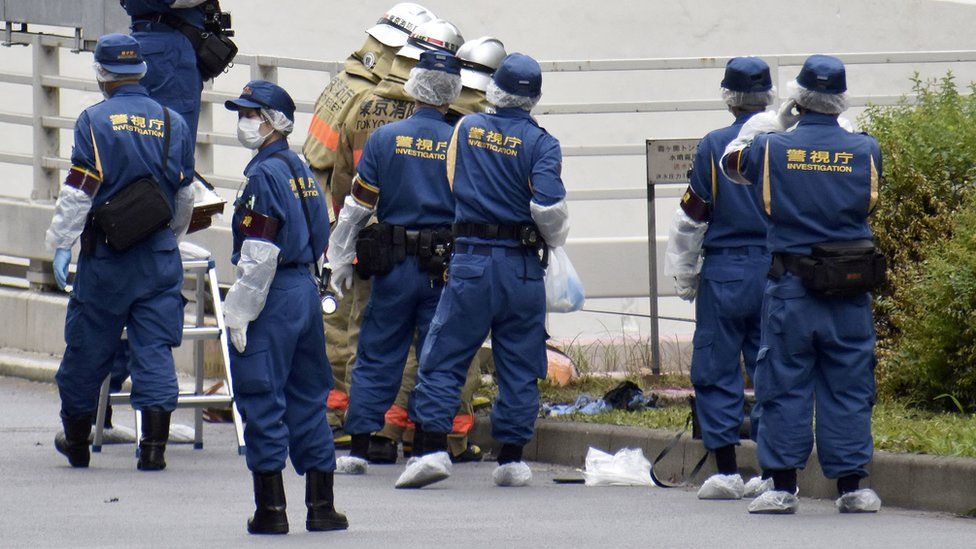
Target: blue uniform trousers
728, 313
138, 290
173, 78
821, 351
282, 379
490, 288
401, 304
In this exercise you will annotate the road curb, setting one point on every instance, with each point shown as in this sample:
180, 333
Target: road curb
29, 366
910, 481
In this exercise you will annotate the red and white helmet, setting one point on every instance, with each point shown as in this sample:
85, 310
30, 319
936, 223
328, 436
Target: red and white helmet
437, 35
398, 22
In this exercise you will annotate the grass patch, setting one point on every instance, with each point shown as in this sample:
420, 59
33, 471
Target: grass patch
896, 427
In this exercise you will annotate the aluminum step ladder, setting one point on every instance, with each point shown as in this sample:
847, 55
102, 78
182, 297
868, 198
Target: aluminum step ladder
205, 273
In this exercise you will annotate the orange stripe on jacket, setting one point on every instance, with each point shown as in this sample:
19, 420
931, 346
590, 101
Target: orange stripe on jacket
323, 133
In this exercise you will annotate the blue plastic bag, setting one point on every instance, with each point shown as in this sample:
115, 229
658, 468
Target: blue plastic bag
564, 290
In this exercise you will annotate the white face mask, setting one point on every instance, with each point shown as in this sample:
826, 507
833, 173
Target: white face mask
249, 132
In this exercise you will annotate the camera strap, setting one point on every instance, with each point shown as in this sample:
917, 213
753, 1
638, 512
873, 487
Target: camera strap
667, 449
308, 216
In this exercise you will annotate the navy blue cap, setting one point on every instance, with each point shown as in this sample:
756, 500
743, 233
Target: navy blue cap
747, 74
824, 74
439, 61
260, 94
519, 74
119, 54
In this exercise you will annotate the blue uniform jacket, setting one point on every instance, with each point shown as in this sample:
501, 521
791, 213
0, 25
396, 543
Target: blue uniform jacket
737, 216
142, 8
272, 192
818, 183
498, 163
121, 140
402, 172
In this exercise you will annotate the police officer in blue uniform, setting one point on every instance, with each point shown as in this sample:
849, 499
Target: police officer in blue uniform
402, 177
724, 223
273, 312
173, 78
505, 173
819, 184
117, 143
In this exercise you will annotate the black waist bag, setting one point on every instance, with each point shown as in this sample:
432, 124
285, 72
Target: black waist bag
134, 214
842, 269
215, 50
375, 253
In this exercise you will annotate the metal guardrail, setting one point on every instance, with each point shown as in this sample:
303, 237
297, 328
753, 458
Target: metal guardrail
630, 277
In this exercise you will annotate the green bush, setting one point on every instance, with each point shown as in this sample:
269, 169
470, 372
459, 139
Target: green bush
935, 352
928, 143
925, 315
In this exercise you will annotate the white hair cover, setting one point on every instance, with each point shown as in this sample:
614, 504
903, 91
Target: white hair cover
104, 75
278, 121
433, 87
748, 99
827, 103
504, 100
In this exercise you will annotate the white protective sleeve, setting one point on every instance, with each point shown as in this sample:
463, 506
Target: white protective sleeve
70, 213
183, 211
255, 270
553, 222
342, 242
181, 4
684, 258
761, 123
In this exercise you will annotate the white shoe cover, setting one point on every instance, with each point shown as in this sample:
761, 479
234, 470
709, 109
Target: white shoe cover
864, 500
721, 487
425, 470
351, 465
512, 474
775, 502
757, 486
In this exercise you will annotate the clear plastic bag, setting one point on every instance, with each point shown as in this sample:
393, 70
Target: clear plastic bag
628, 467
564, 290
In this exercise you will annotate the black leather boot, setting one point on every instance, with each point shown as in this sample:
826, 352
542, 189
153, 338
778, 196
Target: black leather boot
152, 445
320, 501
73, 442
269, 505
382, 450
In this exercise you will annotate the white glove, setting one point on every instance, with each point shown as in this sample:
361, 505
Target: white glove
687, 287
785, 117
341, 276
238, 338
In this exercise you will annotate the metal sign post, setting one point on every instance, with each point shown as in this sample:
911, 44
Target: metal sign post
668, 163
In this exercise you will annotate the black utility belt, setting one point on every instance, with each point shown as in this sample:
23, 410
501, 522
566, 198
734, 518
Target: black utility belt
526, 233
382, 246
835, 269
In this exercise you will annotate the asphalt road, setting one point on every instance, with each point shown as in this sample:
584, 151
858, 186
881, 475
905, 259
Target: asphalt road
204, 498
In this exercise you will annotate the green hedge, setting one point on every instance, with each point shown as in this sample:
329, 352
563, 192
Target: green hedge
926, 224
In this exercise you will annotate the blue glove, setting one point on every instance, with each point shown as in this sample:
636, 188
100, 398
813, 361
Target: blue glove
62, 257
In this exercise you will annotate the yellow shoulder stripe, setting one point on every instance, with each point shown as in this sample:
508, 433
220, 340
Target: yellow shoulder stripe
452, 155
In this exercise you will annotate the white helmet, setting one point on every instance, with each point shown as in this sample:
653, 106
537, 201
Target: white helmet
398, 22
479, 59
436, 35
